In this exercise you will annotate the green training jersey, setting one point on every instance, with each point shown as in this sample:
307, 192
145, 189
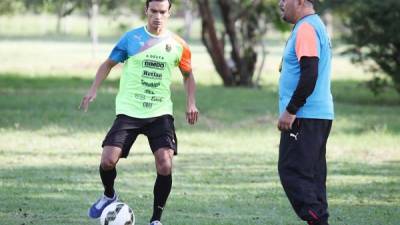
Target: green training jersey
149, 62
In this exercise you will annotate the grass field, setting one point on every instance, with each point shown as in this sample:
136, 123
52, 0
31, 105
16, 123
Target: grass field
225, 173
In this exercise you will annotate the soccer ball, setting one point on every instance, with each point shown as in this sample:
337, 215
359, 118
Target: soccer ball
117, 213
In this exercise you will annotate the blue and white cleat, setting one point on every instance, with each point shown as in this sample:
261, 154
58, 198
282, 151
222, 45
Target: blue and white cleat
97, 208
155, 222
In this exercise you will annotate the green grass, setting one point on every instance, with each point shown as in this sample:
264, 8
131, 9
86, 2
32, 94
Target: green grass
225, 173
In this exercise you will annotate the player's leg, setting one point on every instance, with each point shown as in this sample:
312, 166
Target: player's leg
321, 170
163, 143
298, 153
116, 145
108, 172
163, 183
163, 161
320, 183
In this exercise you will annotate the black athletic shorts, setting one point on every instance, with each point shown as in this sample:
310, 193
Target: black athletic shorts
160, 132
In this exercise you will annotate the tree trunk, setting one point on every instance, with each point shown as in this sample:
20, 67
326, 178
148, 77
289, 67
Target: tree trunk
63, 9
93, 14
244, 57
249, 58
241, 22
229, 23
263, 58
60, 9
213, 45
328, 19
188, 19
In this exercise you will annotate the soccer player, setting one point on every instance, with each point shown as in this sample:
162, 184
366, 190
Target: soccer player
306, 111
143, 104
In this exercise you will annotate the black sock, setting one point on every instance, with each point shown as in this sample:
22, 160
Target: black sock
108, 177
162, 188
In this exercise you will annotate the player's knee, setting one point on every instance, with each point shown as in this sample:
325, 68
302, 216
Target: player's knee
164, 167
108, 164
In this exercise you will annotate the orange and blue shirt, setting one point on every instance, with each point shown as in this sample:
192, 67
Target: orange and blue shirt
309, 38
149, 63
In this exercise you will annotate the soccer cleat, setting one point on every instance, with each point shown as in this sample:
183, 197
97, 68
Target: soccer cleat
97, 208
155, 222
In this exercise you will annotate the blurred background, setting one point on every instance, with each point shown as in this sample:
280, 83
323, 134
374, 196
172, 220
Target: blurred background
243, 36
226, 172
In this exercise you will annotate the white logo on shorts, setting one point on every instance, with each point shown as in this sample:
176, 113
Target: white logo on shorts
294, 135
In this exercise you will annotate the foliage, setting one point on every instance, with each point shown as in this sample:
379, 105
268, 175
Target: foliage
375, 36
9, 6
244, 23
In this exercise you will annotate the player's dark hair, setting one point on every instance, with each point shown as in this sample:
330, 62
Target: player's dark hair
148, 1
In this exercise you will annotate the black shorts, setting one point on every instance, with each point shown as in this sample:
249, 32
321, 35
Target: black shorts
160, 132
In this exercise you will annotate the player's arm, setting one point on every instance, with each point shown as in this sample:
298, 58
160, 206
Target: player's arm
307, 54
185, 65
306, 85
101, 75
192, 112
118, 54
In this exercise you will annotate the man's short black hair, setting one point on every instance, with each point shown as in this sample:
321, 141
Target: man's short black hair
148, 1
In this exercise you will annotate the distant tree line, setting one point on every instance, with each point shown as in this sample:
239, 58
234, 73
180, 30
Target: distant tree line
233, 30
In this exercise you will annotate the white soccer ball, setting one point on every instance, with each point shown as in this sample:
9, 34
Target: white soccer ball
117, 213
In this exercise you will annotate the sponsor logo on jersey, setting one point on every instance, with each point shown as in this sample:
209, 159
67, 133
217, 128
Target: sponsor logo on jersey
150, 92
156, 99
140, 96
155, 57
152, 75
154, 64
168, 47
148, 105
150, 84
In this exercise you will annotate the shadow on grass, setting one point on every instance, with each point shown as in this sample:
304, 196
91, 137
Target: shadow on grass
364, 193
206, 188
389, 168
33, 103
357, 93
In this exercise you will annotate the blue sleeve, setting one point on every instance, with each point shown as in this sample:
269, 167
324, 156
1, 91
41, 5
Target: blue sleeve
120, 51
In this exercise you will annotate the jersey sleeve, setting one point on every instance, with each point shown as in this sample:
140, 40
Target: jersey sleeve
185, 63
120, 50
306, 41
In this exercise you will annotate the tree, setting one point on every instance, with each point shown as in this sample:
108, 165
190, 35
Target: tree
188, 16
62, 8
244, 22
5, 6
375, 35
93, 12
9, 6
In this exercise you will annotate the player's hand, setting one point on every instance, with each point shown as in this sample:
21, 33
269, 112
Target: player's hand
286, 121
192, 114
88, 98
